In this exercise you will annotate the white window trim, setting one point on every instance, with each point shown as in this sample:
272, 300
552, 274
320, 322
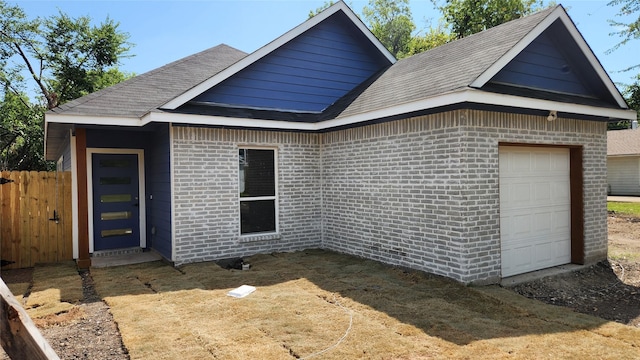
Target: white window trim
269, 235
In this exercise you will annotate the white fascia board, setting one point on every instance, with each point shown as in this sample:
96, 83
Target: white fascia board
481, 97
270, 47
365, 30
623, 155
92, 120
225, 121
467, 95
470, 95
558, 13
429, 103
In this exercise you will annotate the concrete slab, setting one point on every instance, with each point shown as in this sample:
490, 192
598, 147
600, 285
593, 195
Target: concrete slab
539, 274
124, 259
624, 198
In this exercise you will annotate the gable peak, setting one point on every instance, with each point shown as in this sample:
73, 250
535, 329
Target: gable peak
338, 7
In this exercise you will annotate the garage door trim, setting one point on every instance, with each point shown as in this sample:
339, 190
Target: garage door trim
576, 180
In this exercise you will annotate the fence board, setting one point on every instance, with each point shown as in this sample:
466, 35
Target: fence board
66, 230
27, 204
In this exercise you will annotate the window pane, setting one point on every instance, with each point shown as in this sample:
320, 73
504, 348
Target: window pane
257, 216
117, 215
116, 232
257, 173
115, 198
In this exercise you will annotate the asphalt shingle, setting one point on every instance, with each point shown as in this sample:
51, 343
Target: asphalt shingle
623, 142
443, 69
147, 92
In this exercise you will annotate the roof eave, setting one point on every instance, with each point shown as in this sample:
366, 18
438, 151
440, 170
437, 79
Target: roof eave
458, 97
267, 49
55, 124
461, 96
624, 155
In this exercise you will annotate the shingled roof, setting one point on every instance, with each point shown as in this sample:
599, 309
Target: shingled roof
452, 74
446, 68
623, 142
147, 92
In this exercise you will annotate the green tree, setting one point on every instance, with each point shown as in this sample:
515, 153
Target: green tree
433, 38
466, 17
325, 6
627, 31
59, 58
632, 95
390, 21
21, 134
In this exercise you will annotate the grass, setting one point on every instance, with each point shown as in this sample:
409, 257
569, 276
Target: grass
18, 290
626, 208
622, 255
56, 290
332, 306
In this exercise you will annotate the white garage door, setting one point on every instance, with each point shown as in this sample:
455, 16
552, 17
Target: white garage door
535, 208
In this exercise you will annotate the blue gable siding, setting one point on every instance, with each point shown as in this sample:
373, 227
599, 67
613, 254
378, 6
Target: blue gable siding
308, 74
542, 66
66, 157
553, 62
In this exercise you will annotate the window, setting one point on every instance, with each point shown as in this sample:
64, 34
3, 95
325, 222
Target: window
258, 205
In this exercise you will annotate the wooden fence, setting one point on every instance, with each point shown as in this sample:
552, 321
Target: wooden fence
35, 218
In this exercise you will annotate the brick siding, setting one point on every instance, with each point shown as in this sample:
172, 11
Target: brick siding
420, 192
206, 193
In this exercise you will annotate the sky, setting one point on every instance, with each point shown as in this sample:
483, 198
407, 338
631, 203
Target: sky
164, 31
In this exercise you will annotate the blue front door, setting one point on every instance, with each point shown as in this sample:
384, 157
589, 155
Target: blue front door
116, 205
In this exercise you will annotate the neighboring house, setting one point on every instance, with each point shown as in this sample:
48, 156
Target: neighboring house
477, 160
623, 161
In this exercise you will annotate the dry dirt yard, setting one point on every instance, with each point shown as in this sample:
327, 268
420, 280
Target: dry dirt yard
352, 308
609, 290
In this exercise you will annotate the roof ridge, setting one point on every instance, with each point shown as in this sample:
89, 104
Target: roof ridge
471, 37
540, 12
309, 23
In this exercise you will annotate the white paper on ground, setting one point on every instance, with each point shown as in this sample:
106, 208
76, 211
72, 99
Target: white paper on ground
242, 291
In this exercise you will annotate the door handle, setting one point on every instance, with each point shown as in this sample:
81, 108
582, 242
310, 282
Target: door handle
136, 205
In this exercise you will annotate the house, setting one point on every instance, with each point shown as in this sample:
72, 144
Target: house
477, 160
623, 161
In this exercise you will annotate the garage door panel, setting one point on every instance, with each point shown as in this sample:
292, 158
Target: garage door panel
542, 192
526, 256
561, 192
533, 194
542, 223
541, 162
535, 205
562, 222
520, 162
516, 258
